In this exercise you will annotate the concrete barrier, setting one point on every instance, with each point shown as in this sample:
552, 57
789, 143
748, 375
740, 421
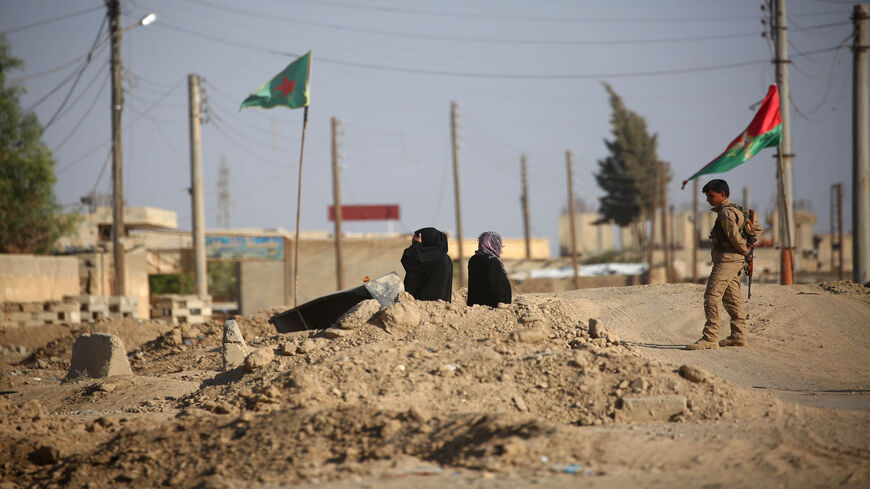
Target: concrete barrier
98, 355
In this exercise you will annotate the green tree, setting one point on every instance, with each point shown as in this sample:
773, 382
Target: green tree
30, 217
223, 281
627, 173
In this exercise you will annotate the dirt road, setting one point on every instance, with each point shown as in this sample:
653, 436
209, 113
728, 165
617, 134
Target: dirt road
807, 344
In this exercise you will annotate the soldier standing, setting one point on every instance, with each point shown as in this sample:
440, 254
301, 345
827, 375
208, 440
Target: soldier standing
729, 250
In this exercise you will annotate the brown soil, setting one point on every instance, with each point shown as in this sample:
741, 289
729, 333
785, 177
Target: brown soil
442, 395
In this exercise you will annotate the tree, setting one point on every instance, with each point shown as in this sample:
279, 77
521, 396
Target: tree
30, 217
627, 173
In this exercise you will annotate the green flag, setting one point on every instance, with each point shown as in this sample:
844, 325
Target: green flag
288, 88
764, 131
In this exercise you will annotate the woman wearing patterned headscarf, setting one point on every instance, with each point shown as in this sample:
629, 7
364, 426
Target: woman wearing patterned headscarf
487, 281
428, 269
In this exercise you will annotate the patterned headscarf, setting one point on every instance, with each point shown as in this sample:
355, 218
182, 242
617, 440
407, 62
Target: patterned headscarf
489, 244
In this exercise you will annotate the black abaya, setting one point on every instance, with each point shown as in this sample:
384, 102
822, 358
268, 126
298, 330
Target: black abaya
487, 282
428, 269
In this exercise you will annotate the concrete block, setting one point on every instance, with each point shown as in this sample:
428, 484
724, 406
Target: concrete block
650, 408
99, 355
234, 348
70, 317
22, 316
64, 306
32, 307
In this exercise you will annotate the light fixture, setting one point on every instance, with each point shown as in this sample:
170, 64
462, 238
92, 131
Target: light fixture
151, 17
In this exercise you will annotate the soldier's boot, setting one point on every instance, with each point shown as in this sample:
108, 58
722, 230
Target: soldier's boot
733, 341
703, 344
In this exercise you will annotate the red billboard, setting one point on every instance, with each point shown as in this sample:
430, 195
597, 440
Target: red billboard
377, 212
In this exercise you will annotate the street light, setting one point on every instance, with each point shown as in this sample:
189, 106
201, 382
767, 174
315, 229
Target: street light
120, 288
147, 20
151, 17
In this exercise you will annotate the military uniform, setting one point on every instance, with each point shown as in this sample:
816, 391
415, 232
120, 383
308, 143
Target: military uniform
729, 250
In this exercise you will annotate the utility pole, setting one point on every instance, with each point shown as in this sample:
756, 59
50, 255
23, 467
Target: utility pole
118, 230
524, 198
672, 233
224, 202
652, 230
695, 232
572, 225
336, 199
663, 187
200, 278
837, 229
455, 148
860, 152
787, 228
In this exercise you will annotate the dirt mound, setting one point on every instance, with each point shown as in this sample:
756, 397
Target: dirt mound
845, 287
545, 382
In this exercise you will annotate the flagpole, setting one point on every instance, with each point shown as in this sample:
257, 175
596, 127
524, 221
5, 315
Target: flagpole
298, 209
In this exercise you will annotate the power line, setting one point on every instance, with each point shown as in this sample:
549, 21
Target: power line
518, 76
55, 19
468, 39
88, 111
218, 124
90, 84
87, 63
127, 126
454, 15
55, 69
225, 127
102, 172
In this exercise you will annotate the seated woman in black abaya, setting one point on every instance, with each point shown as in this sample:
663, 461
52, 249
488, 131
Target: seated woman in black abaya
488, 284
428, 269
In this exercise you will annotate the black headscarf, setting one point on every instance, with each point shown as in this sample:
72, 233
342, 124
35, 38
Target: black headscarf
428, 269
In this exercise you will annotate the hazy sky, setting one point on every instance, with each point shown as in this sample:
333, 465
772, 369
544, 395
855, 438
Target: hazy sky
527, 77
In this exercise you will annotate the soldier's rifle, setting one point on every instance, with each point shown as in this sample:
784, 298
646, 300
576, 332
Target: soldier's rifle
750, 243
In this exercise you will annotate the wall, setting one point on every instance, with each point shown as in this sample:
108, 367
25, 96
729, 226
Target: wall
372, 257
512, 248
264, 284
137, 281
261, 285
592, 239
25, 278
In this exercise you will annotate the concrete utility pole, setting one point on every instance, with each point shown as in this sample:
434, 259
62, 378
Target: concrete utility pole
785, 155
118, 230
860, 152
336, 199
652, 230
672, 232
663, 186
455, 150
524, 198
837, 229
572, 225
196, 199
695, 231
224, 202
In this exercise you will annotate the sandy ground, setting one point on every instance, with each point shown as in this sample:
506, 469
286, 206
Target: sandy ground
437, 395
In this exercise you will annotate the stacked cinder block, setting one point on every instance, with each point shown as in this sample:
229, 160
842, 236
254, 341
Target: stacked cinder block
123, 307
178, 309
18, 314
92, 307
97, 307
72, 310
